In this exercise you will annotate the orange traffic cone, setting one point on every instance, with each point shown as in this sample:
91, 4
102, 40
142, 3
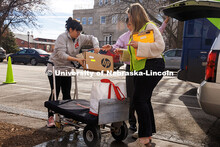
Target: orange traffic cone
9, 76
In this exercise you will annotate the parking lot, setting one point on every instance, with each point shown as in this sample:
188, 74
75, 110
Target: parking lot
178, 115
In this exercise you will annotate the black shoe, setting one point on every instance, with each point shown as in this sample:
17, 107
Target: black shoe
133, 128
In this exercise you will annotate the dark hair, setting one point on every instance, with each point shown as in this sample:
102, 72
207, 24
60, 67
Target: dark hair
74, 24
127, 20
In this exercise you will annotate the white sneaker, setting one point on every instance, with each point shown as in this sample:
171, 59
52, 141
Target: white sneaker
135, 135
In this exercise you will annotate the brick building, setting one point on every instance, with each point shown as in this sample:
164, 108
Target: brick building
38, 43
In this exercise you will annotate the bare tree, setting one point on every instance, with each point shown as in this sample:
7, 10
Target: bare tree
19, 13
174, 29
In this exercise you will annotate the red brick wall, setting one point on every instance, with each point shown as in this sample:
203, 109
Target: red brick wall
22, 43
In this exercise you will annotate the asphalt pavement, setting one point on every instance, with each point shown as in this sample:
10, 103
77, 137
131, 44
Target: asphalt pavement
179, 119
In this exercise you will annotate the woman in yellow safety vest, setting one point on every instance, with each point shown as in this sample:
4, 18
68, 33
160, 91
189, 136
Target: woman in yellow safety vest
147, 70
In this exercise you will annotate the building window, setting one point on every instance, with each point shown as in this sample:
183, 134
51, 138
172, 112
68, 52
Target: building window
100, 2
78, 19
90, 20
114, 19
112, 2
106, 2
84, 20
102, 20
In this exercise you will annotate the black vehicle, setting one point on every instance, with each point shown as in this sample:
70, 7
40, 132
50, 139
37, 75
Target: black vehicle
32, 56
2, 54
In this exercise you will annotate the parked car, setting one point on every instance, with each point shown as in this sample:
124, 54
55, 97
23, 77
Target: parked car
32, 56
2, 54
172, 59
208, 92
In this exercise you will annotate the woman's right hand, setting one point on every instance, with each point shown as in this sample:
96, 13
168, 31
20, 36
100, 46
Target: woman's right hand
81, 62
106, 47
118, 51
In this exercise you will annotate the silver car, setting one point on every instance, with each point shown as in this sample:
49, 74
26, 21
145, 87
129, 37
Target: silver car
2, 54
208, 92
172, 59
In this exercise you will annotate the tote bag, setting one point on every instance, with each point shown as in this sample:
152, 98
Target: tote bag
105, 89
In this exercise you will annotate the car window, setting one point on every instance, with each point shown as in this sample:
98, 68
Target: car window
41, 51
30, 52
170, 53
22, 52
194, 28
178, 53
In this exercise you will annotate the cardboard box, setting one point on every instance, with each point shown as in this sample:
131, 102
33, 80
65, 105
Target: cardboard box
98, 62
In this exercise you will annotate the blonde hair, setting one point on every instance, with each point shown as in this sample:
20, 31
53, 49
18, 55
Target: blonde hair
138, 16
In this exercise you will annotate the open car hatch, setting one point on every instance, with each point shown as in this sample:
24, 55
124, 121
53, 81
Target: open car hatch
193, 9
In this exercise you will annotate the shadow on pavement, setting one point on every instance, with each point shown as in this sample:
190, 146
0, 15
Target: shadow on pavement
209, 124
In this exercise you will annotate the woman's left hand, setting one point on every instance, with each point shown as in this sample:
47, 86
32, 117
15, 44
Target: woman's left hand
96, 50
134, 44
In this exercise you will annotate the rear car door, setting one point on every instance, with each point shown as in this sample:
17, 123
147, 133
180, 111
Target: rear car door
178, 59
30, 54
170, 59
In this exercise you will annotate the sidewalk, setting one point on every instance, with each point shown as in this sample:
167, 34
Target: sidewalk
39, 123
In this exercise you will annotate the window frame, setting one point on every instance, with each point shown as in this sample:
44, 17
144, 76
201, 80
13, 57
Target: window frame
90, 20
101, 19
84, 21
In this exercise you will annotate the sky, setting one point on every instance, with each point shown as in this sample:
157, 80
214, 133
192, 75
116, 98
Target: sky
53, 23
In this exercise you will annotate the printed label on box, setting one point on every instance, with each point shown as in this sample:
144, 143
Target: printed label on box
91, 57
93, 60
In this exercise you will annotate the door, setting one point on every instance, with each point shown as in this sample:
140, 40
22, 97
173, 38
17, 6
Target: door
169, 59
30, 54
19, 57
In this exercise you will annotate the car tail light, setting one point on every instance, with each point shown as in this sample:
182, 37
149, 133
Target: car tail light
211, 67
43, 55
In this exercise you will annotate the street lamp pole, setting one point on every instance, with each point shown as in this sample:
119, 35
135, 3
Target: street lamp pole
28, 33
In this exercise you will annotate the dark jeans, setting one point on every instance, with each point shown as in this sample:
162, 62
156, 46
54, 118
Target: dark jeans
144, 86
63, 83
130, 91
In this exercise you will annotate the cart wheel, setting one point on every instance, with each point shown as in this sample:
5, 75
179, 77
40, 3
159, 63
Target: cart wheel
92, 135
118, 132
59, 126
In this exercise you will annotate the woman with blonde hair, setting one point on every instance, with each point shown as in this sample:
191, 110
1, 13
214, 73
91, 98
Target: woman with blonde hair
144, 84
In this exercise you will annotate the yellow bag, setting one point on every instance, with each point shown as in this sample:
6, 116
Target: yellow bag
145, 37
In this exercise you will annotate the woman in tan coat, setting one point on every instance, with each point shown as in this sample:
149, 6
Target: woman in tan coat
144, 82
